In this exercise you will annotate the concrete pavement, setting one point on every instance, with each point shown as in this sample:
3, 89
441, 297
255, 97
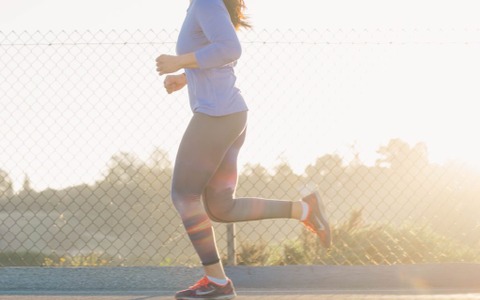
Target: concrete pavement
429, 281
252, 295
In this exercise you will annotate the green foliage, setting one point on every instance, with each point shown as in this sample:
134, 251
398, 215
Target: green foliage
355, 244
129, 211
35, 259
89, 260
6, 187
253, 254
16, 259
167, 262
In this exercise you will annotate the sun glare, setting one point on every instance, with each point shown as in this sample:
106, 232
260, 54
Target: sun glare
310, 93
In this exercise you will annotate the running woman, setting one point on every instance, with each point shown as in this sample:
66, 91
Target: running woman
205, 171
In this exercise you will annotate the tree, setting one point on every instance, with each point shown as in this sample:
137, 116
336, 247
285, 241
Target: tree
399, 155
6, 186
159, 160
122, 168
27, 186
330, 165
254, 179
156, 174
285, 183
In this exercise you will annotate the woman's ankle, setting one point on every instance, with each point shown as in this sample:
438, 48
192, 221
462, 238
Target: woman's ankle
215, 271
297, 210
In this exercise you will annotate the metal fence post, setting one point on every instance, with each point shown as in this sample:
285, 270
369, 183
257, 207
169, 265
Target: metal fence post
231, 245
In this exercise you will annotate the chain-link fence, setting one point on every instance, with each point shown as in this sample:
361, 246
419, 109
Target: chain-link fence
367, 117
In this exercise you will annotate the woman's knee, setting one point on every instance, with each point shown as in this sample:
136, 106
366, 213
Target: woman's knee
219, 205
184, 201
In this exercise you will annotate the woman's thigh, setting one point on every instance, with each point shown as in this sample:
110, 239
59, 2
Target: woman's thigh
203, 147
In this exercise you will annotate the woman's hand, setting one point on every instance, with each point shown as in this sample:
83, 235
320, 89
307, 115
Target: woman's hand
174, 83
167, 64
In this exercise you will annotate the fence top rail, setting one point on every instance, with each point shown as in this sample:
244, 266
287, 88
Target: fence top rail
326, 36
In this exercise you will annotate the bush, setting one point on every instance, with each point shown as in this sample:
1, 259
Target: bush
16, 259
357, 244
253, 254
90, 260
35, 259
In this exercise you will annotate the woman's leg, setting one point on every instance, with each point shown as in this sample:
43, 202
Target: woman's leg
206, 164
222, 207
201, 151
219, 201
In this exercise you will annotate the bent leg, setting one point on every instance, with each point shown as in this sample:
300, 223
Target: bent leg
219, 200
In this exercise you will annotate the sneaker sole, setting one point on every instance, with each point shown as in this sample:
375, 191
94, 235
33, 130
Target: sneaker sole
226, 297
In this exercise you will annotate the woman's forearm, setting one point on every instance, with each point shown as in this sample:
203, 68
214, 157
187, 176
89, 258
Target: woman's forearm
167, 64
188, 61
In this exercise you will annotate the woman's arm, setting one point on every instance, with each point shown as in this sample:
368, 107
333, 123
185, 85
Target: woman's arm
173, 83
223, 48
167, 64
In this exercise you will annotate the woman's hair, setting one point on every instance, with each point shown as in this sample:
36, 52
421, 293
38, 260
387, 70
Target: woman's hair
235, 9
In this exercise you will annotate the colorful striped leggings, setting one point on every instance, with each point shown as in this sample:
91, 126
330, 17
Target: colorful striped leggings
204, 181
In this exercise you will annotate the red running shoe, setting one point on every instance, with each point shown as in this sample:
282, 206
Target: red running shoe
316, 220
205, 289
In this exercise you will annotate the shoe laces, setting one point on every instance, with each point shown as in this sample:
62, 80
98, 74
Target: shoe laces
201, 283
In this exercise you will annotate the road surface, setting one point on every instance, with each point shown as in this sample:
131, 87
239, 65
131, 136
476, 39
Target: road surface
430, 281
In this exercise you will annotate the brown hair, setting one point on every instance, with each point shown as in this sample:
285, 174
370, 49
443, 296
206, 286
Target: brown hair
235, 9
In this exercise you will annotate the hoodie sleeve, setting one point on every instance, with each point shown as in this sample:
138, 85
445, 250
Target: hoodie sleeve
224, 46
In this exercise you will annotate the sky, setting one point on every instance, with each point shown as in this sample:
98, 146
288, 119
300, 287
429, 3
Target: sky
168, 14
356, 81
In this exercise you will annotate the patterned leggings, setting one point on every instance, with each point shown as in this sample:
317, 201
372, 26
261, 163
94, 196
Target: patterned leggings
204, 181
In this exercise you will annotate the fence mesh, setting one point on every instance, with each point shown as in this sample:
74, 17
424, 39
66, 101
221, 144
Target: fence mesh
88, 137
